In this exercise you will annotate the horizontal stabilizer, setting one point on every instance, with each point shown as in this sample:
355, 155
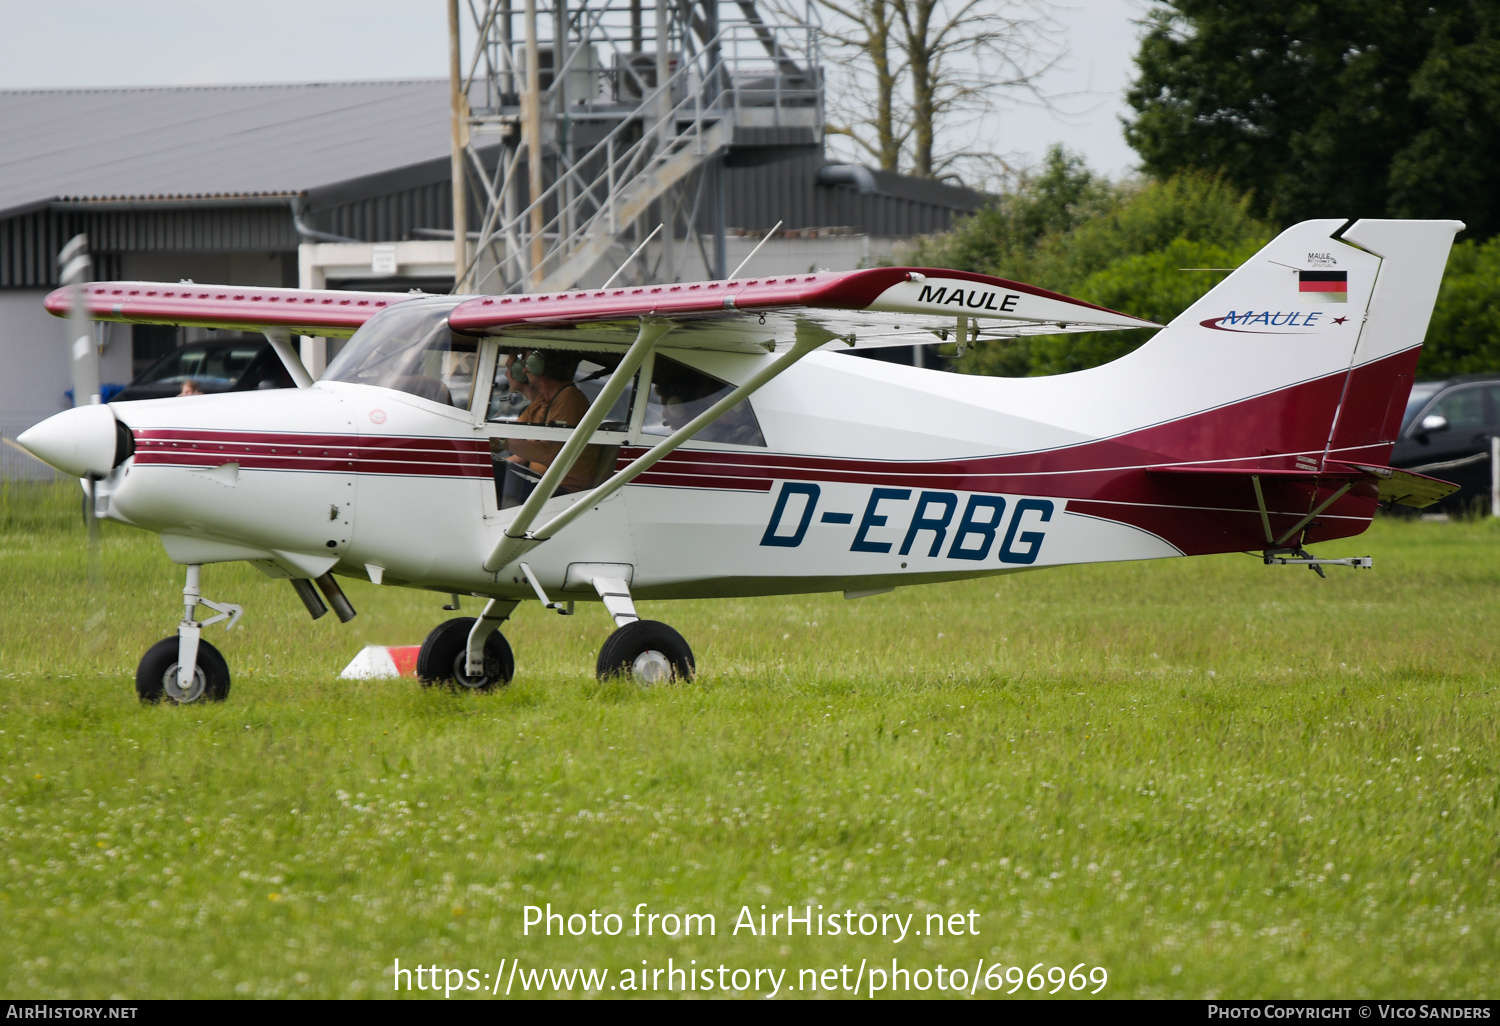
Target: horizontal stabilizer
1401, 487
1336, 473
1404, 488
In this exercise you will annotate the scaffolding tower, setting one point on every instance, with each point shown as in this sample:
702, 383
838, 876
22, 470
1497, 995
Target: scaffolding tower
580, 127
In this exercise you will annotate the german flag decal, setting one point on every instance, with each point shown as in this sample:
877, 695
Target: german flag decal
1324, 286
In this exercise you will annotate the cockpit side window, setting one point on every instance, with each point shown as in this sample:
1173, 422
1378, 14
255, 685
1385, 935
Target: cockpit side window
679, 393
411, 349
518, 388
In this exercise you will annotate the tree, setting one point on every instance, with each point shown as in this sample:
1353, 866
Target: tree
1003, 236
870, 120
1320, 108
1448, 169
1123, 246
1464, 336
914, 77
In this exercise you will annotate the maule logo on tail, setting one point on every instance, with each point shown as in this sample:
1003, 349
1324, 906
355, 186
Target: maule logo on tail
1272, 322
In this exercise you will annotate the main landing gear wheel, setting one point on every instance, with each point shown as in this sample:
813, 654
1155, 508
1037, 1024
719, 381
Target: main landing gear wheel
648, 652
444, 654
156, 677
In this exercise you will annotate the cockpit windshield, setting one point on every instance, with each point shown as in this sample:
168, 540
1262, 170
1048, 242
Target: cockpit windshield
410, 348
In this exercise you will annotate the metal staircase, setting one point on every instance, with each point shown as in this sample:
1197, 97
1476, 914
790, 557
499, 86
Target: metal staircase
621, 125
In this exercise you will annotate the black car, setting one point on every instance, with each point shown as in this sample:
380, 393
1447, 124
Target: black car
232, 365
1446, 434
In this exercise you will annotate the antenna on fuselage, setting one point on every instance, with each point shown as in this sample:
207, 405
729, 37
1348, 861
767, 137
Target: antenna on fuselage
621, 269
756, 250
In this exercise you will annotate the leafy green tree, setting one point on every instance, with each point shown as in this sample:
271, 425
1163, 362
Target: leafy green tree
1121, 246
1448, 169
1002, 237
1355, 108
1153, 285
1464, 336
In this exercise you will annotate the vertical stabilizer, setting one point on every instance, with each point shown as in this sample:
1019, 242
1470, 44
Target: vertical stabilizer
1412, 257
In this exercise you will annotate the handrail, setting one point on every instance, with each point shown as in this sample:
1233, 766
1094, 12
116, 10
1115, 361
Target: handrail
715, 80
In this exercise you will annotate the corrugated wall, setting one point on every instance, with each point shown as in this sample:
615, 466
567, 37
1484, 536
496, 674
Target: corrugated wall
391, 217
30, 242
787, 191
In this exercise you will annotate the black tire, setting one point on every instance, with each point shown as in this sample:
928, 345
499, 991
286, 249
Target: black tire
622, 648
156, 676
441, 660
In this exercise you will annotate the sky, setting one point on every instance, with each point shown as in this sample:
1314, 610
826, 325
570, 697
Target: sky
90, 43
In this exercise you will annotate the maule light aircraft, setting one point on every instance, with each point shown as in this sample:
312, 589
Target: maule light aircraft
711, 439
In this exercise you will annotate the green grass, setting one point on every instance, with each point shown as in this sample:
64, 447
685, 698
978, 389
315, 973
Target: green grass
1208, 776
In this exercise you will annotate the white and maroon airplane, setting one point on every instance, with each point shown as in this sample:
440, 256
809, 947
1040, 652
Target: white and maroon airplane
723, 445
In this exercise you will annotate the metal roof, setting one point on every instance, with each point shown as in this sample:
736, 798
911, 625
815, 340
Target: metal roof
204, 142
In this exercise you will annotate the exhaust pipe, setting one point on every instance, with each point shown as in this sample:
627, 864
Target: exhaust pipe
309, 596
335, 596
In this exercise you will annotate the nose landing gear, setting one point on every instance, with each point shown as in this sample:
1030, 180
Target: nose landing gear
187, 669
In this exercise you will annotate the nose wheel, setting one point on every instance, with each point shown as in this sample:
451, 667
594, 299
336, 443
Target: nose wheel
185, 668
156, 679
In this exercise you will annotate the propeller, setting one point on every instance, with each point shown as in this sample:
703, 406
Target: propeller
73, 270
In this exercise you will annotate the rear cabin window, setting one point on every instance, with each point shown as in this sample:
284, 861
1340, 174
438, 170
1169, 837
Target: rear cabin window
679, 393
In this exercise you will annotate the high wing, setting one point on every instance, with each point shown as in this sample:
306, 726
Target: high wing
298, 311
883, 306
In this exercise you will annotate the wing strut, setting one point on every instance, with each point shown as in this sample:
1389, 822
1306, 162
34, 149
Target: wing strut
281, 341
645, 340
515, 543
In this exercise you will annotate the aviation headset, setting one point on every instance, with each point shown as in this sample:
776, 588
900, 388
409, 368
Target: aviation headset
535, 363
558, 366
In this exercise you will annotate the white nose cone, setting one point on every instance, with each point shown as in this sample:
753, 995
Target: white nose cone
79, 442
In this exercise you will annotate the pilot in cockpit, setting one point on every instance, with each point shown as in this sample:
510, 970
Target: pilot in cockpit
546, 379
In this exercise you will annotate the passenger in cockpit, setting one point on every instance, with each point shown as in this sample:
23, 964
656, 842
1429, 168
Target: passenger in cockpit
555, 402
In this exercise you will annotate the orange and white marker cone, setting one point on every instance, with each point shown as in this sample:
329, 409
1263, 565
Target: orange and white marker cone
377, 661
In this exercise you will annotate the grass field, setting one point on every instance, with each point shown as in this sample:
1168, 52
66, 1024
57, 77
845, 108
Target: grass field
1209, 777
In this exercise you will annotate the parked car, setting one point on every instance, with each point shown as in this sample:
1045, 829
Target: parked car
232, 365
1446, 433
